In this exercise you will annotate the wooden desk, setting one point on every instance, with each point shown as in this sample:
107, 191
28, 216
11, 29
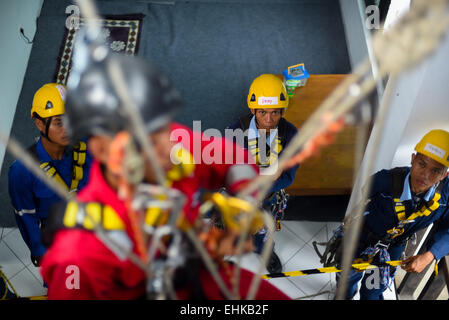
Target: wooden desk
331, 171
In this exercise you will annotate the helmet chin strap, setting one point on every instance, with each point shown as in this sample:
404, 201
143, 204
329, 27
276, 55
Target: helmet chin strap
267, 130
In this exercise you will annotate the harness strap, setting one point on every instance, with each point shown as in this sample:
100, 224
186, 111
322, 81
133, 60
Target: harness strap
7, 294
79, 159
253, 143
374, 243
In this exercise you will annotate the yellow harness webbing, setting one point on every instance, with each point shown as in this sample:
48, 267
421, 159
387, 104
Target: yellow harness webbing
88, 216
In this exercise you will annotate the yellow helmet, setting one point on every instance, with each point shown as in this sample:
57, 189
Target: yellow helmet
267, 91
435, 145
49, 101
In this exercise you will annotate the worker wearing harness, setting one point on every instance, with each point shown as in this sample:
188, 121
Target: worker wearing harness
266, 134
403, 201
68, 165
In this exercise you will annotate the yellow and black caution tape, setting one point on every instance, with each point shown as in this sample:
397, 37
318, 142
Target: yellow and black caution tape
8, 285
358, 266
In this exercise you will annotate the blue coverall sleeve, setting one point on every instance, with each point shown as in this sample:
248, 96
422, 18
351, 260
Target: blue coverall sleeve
20, 191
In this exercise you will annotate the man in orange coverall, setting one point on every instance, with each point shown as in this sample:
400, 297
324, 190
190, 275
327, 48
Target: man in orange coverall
79, 263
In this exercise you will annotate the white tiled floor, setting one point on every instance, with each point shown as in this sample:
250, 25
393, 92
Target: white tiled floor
293, 244
16, 264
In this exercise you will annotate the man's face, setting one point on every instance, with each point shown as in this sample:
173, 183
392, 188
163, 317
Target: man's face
267, 118
56, 131
100, 147
162, 147
425, 172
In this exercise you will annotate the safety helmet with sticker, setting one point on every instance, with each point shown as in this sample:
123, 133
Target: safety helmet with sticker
95, 107
267, 91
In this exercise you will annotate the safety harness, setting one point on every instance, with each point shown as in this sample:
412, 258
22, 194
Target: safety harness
398, 176
381, 247
271, 153
377, 247
89, 216
278, 207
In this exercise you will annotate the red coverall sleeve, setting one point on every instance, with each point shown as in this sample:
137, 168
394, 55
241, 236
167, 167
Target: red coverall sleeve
68, 282
68, 268
266, 290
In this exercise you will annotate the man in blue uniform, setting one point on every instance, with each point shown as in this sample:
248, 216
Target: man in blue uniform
267, 133
403, 201
69, 166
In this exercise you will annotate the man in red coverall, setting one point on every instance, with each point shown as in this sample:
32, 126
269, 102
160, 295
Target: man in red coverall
78, 264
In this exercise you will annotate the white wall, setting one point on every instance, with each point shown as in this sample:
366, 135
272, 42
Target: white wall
354, 31
420, 103
14, 54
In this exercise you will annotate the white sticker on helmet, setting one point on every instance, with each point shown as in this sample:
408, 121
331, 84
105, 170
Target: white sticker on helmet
268, 101
435, 150
61, 90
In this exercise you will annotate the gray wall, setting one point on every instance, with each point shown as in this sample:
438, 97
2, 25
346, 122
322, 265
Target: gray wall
14, 55
354, 30
419, 103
